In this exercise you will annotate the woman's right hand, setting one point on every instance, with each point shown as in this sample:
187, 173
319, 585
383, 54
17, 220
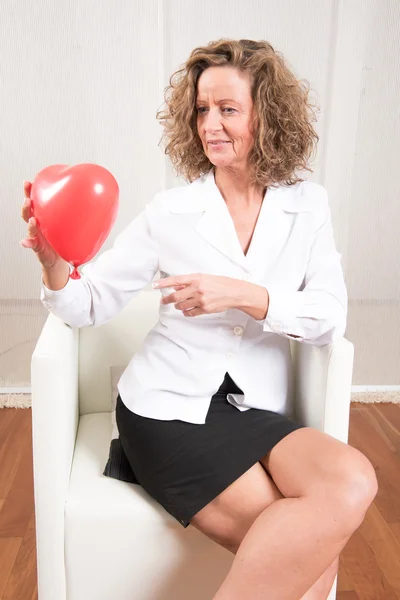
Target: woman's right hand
35, 240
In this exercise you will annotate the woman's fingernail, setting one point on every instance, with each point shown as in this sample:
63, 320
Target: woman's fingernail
155, 285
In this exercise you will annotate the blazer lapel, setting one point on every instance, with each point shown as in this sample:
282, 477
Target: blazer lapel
215, 224
274, 226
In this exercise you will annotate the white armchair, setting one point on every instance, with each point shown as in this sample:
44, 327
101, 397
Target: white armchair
99, 538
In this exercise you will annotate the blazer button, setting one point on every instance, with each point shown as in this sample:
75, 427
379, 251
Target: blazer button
238, 330
277, 327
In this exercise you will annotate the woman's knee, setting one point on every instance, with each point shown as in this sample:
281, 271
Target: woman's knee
355, 487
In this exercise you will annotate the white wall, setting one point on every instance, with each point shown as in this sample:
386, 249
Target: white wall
81, 81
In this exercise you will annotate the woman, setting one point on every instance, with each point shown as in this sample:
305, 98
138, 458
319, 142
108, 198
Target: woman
247, 262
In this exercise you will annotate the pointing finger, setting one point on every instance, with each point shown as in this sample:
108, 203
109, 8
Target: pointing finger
182, 280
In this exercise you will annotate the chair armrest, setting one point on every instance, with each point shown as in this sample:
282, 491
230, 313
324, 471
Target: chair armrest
55, 418
322, 386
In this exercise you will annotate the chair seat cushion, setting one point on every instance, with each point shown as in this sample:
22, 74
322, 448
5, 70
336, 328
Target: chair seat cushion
91, 491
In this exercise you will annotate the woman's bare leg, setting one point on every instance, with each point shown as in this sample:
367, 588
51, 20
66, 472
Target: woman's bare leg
286, 550
322, 587
228, 517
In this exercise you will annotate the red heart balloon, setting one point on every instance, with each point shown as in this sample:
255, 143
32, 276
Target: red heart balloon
75, 208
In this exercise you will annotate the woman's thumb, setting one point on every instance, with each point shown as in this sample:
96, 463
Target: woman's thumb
26, 243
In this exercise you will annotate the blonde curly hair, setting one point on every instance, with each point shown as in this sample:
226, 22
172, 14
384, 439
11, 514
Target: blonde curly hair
284, 138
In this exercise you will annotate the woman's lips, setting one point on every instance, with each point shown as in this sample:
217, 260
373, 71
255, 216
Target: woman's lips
217, 145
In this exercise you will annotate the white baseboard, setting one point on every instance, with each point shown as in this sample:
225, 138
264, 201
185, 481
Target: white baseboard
373, 388
15, 390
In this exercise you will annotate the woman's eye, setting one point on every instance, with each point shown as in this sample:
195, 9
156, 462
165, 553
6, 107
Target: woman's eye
202, 109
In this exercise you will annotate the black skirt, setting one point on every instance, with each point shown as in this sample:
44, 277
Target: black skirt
184, 466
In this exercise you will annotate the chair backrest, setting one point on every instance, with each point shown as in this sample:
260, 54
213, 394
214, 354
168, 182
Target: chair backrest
112, 345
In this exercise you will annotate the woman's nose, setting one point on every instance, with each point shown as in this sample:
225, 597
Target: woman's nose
213, 121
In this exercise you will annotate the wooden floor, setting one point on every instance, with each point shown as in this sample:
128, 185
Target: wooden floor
369, 564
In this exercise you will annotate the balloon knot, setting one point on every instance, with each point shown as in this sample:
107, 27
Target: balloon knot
75, 274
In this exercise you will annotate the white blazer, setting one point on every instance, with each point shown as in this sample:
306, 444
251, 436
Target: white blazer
182, 361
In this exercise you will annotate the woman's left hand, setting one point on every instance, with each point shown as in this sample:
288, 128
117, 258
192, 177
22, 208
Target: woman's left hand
200, 294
